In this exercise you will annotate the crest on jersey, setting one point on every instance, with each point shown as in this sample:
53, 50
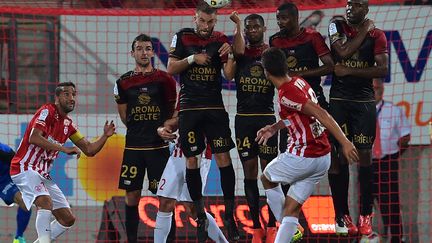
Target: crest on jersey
291, 61
66, 122
291, 104
144, 99
43, 115
256, 71
66, 130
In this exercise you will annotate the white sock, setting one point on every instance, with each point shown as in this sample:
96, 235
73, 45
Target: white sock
43, 225
287, 229
162, 227
214, 231
276, 201
57, 229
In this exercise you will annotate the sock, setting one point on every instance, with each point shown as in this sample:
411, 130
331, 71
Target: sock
276, 200
228, 187
336, 194
214, 231
43, 226
57, 229
22, 219
162, 227
172, 232
343, 181
252, 197
366, 186
132, 221
194, 185
287, 229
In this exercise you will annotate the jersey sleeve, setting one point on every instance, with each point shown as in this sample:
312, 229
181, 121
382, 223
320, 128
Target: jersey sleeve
319, 44
293, 98
176, 47
44, 118
335, 31
119, 93
6, 153
380, 42
170, 89
74, 134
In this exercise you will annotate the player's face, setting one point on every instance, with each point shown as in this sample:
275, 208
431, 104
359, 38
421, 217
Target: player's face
378, 89
66, 99
205, 23
143, 53
356, 11
254, 31
285, 21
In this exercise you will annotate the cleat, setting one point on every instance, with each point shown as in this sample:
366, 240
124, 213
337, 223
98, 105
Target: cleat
20, 239
352, 228
365, 224
257, 235
340, 227
202, 226
298, 236
231, 227
271, 234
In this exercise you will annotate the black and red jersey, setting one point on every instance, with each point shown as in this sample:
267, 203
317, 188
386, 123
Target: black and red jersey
255, 93
303, 52
200, 86
150, 99
352, 87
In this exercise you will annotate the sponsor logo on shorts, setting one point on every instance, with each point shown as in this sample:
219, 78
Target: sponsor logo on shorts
38, 188
127, 182
7, 187
244, 154
194, 148
153, 185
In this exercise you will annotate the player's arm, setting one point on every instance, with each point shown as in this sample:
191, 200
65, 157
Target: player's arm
166, 132
37, 138
239, 40
348, 48
6, 155
92, 148
265, 133
121, 108
314, 110
380, 70
322, 70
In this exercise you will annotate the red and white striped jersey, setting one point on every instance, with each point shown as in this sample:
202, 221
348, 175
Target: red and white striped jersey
56, 129
306, 134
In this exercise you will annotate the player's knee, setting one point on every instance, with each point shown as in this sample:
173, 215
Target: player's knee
69, 221
43, 202
133, 197
166, 204
365, 157
266, 183
223, 159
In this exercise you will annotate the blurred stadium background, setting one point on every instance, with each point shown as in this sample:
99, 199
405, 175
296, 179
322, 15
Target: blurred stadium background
88, 42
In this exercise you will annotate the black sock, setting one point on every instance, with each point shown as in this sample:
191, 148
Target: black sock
194, 184
172, 233
366, 185
228, 186
336, 194
132, 221
252, 197
344, 186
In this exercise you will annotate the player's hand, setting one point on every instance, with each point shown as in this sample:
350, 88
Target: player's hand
340, 70
368, 25
350, 152
166, 134
235, 18
264, 134
109, 129
72, 151
225, 49
202, 59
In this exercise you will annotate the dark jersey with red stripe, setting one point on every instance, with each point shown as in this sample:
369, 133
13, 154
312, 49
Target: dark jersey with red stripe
200, 85
303, 52
254, 92
351, 87
150, 99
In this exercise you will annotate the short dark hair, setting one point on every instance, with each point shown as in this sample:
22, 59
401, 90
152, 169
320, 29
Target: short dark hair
274, 62
205, 8
254, 16
141, 37
291, 8
60, 87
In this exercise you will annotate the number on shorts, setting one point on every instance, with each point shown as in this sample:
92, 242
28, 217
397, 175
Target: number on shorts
191, 137
246, 143
162, 184
129, 172
345, 129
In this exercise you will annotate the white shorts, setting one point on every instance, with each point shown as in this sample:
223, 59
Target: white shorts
173, 181
32, 184
301, 173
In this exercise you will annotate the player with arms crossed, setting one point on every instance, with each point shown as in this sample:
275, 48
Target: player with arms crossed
307, 157
145, 99
304, 48
173, 188
10, 193
360, 51
43, 139
255, 109
198, 55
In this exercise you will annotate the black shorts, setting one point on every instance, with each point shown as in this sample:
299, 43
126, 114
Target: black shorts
134, 166
357, 120
196, 125
246, 128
